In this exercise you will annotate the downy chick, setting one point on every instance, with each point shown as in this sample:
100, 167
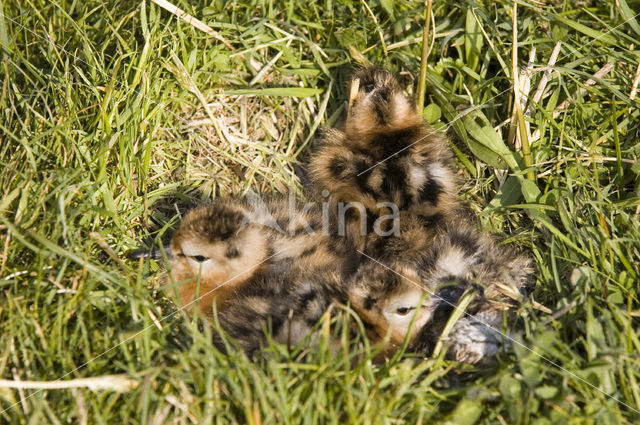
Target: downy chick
222, 246
385, 153
388, 291
287, 301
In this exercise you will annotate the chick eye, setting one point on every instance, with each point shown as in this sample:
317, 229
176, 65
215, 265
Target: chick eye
199, 258
403, 311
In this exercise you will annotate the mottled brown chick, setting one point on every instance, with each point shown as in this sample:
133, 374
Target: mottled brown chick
388, 291
385, 153
222, 246
286, 303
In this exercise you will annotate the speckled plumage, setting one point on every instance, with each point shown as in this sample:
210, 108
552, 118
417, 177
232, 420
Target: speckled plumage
224, 245
390, 288
385, 152
283, 269
288, 300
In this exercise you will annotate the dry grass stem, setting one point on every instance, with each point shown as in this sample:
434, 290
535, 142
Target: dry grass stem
537, 96
355, 85
636, 81
118, 383
580, 92
181, 14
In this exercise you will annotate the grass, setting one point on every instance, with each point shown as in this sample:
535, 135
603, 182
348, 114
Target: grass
116, 116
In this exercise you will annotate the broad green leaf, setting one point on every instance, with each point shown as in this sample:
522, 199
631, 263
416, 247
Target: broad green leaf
485, 154
107, 197
546, 392
629, 15
8, 199
467, 412
432, 113
529, 189
508, 194
530, 369
594, 333
388, 6
472, 40
510, 388
480, 129
4, 38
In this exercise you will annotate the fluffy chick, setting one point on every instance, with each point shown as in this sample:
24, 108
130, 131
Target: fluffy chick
222, 246
423, 286
385, 153
285, 302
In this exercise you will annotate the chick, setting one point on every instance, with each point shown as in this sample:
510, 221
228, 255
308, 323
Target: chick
286, 302
222, 246
385, 153
413, 295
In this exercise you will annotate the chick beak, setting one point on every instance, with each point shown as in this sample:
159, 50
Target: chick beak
156, 254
